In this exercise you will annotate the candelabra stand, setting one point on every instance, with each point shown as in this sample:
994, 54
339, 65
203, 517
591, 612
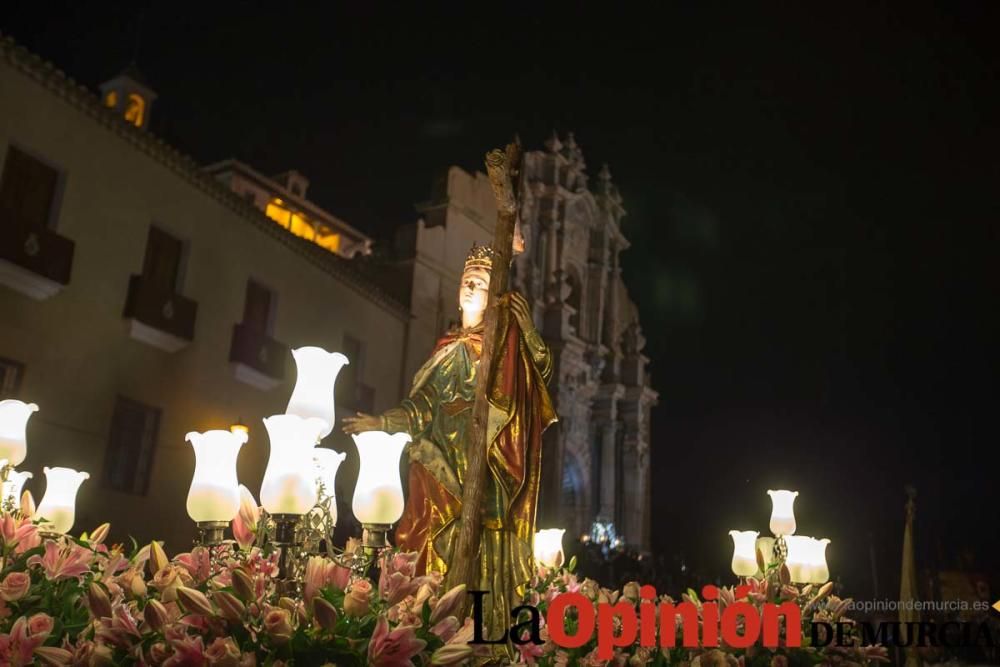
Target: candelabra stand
373, 538
210, 533
780, 550
284, 539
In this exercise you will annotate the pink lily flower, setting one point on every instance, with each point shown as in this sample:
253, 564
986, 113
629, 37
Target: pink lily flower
65, 562
197, 563
395, 648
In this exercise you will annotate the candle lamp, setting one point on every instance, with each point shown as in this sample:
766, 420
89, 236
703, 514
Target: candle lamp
782, 520
13, 426
316, 375
744, 563
58, 507
378, 495
12, 485
289, 487
214, 497
548, 549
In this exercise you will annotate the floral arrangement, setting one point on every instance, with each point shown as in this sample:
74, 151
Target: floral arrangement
774, 586
78, 601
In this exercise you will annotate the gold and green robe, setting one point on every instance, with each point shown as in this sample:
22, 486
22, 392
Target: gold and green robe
438, 416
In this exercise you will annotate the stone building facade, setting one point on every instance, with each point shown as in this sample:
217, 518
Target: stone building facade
143, 296
596, 457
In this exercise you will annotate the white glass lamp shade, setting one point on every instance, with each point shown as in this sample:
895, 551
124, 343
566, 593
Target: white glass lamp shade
14, 485
58, 506
744, 562
782, 514
13, 421
820, 570
326, 462
800, 558
289, 485
548, 547
316, 374
215, 489
378, 496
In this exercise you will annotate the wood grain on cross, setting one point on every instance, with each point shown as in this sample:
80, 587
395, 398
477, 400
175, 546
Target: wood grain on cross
503, 168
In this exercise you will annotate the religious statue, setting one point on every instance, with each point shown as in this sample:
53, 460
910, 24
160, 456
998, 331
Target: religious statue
438, 416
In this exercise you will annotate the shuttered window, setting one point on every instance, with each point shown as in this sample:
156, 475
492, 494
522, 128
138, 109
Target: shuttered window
131, 446
27, 190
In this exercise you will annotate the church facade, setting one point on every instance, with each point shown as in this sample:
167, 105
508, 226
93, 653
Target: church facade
596, 458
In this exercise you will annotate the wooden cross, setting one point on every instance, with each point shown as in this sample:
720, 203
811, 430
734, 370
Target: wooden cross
503, 168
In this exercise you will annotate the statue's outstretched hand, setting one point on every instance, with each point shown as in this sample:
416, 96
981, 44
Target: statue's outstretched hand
522, 312
361, 423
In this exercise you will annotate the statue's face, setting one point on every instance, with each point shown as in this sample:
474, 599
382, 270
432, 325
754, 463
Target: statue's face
474, 290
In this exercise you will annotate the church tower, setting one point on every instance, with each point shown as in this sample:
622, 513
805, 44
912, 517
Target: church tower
129, 96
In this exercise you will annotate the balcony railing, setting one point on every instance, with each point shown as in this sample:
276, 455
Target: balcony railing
159, 317
258, 359
34, 260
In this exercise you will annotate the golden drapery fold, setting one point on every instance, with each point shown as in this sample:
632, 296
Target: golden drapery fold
438, 414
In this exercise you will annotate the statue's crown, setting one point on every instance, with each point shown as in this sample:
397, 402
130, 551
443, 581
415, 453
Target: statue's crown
480, 256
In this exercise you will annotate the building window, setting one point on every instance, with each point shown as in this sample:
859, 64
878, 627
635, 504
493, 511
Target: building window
162, 265
27, 190
259, 308
11, 375
131, 445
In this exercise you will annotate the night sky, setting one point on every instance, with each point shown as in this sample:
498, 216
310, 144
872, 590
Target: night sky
811, 196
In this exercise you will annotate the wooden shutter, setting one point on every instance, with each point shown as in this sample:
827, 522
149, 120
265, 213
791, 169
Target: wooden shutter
131, 445
27, 189
257, 307
163, 259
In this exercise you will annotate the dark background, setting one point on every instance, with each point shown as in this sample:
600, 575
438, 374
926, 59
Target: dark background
812, 205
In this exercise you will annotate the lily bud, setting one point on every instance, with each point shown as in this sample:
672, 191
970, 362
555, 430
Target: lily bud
195, 601
287, 603
157, 558
155, 614
53, 655
324, 613
27, 504
137, 586
230, 606
824, 590
97, 599
448, 604
99, 535
451, 654
243, 586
